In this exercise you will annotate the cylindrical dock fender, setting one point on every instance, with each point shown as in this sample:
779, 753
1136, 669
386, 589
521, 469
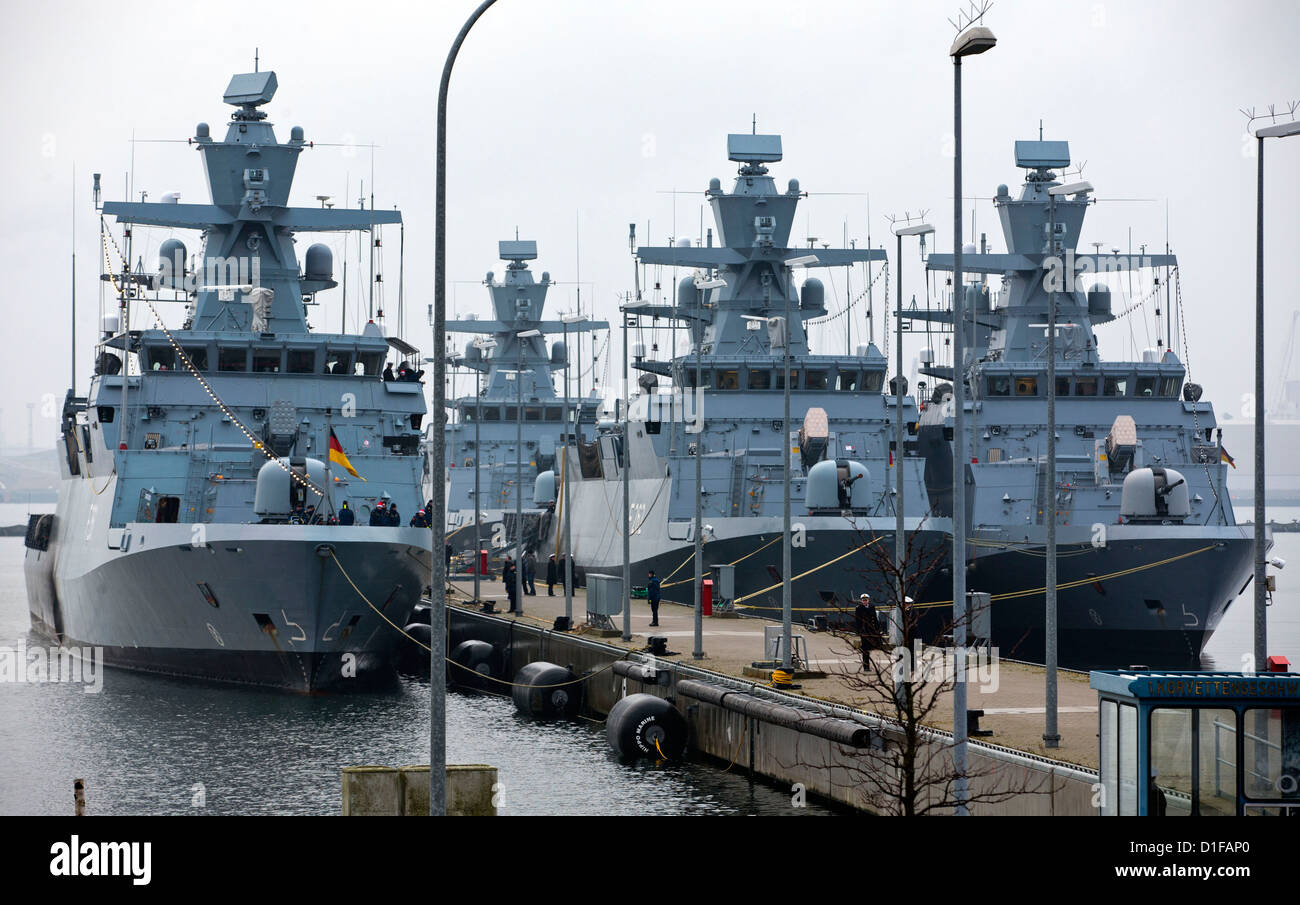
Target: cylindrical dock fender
643, 725
472, 664
547, 691
411, 657
421, 613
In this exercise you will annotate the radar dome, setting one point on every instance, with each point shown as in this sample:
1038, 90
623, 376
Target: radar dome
793, 187
812, 297
171, 262
202, 131
715, 184
296, 133
319, 264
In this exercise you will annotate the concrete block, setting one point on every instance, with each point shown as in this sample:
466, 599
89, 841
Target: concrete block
373, 792
471, 789
404, 791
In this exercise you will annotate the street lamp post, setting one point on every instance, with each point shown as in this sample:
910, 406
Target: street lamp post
483, 345
973, 40
627, 503
438, 576
787, 597
519, 471
565, 563
1282, 130
900, 387
1051, 735
701, 286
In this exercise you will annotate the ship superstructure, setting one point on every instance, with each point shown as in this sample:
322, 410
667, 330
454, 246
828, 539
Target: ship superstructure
1149, 556
195, 533
734, 304
512, 371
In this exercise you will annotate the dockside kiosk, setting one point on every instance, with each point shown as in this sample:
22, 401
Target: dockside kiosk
1198, 743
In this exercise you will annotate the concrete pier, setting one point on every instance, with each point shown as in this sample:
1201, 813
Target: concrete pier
377, 791
1012, 702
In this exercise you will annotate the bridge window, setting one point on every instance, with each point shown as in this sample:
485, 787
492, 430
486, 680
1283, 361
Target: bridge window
198, 356
266, 361
372, 363
780, 380
554, 413
847, 381
1115, 386
760, 380
1026, 386
1062, 386
1146, 387
728, 380
161, 358
872, 381
816, 380
1169, 387
491, 413
532, 413
1085, 386
338, 362
232, 359
302, 361
999, 385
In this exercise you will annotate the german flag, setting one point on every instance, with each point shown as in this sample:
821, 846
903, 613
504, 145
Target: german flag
338, 457
1224, 457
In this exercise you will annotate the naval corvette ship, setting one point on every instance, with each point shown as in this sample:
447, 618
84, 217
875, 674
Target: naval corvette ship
204, 469
843, 470
1149, 553
511, 366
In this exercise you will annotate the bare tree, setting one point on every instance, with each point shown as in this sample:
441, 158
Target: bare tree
906, 680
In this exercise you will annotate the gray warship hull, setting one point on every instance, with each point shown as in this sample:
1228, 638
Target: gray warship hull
267, 605
1149, 597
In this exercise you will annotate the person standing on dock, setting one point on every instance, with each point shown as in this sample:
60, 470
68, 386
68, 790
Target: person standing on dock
652, 594
508, 579
551, 575
530, 573
867, 623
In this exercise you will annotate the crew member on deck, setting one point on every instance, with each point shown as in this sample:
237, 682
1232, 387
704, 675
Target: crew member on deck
346, 515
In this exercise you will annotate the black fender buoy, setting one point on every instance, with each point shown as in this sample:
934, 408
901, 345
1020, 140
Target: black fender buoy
422, 614
411, 657
473, 663
547, 691
643, 725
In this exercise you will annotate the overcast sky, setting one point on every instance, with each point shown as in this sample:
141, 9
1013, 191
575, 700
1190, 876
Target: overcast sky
571, 116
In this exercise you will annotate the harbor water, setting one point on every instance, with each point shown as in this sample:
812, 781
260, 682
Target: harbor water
153, 745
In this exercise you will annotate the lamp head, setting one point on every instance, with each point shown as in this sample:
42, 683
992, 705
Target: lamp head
976, 39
